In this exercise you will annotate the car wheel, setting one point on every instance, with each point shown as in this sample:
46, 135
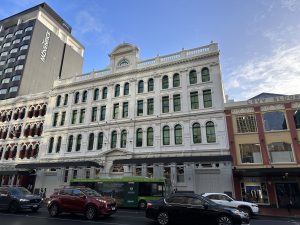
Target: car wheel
163, 218
53, 210
224, 220
246, 210
90, 212
13, 208
142, 205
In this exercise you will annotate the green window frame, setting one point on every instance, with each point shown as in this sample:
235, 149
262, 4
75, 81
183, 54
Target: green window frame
176, 103
117, 90
141, 86
114, 137
176, 80
210, 132
207, 98
150, 136
166, 135
94, 114
139, 137
100, 141
123, 138
140, 108
205, 74
193, 77
178, 134
194, 100
103, 113
196, 133
150, 106
104, 93
78, 142
165, 82
116, 111
126, 89
91, 141
165, 104
150, 84
125, 110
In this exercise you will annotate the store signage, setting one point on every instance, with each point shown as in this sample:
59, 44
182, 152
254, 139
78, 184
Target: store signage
274, 99
45, 44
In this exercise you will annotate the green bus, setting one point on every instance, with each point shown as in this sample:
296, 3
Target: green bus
128, 191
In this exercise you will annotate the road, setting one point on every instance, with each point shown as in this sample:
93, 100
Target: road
122, 217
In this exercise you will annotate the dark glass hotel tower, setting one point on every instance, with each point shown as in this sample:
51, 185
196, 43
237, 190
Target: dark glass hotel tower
36, 47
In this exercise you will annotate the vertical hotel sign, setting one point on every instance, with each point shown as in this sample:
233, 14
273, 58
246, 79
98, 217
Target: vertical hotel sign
45, 44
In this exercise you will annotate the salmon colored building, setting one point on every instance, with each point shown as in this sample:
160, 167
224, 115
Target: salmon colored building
264, 134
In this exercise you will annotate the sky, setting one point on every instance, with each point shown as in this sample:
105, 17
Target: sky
259, 40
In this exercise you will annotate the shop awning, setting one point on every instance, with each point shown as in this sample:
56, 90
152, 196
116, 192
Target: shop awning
278, 172
58, 164
197, 159
13, 172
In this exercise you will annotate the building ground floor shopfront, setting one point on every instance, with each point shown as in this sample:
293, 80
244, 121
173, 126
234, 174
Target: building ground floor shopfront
194, 174
270, 187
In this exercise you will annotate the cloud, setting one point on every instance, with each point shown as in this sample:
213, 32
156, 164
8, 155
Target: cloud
291, 5
87, 23
278, 73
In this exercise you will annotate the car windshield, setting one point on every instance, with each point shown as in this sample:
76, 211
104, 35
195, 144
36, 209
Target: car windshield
208, 201
20, 191
91, 192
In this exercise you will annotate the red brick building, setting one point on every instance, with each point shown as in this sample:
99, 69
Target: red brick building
264, 134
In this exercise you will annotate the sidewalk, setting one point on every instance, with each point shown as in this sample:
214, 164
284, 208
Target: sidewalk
274, 212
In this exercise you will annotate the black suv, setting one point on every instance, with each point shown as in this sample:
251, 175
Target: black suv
18, 198
191, 208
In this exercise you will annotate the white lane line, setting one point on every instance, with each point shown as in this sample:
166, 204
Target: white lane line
81, 221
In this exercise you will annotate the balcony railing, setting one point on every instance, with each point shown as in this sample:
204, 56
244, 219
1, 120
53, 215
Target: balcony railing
144, 64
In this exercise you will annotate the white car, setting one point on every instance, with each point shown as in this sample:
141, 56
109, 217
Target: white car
223, 199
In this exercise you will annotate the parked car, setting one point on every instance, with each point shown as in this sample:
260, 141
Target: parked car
188, 208
81, 200
18, 198
224, 199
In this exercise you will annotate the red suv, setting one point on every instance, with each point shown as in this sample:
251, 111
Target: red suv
81, 200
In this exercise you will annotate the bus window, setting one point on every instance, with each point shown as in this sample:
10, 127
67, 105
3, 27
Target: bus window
150, 189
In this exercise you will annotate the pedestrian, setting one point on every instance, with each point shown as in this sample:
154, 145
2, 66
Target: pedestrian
44, 194
41, 192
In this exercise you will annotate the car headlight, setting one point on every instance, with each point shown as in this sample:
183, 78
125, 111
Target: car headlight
102, 201
24, 200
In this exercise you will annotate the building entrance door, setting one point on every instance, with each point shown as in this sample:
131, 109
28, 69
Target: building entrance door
288, 193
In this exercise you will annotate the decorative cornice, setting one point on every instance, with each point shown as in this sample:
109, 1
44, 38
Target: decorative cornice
271, 107
242, 110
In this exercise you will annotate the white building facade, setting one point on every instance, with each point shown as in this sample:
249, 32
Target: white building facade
162, 117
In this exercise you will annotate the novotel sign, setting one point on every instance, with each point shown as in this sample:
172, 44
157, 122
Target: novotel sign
45, 44
274, 99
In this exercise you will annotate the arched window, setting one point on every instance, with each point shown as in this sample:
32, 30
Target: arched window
210, 132
150, 136
166, 135
58, 100
14, 153
76, 98
141, 86
50, 147
165, 82
36, 151
205, 74
178, 134
193, 77
176, 80
117, 90
58, 144
96, 94
139, 137
22, 152
78, 142
123, 138
126, 89
196, 133
84, 96
91, 141
100, 141
43, 112
113, 143
22, 115
66, 99
104, 93
70, 143
150, 84
29, 152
